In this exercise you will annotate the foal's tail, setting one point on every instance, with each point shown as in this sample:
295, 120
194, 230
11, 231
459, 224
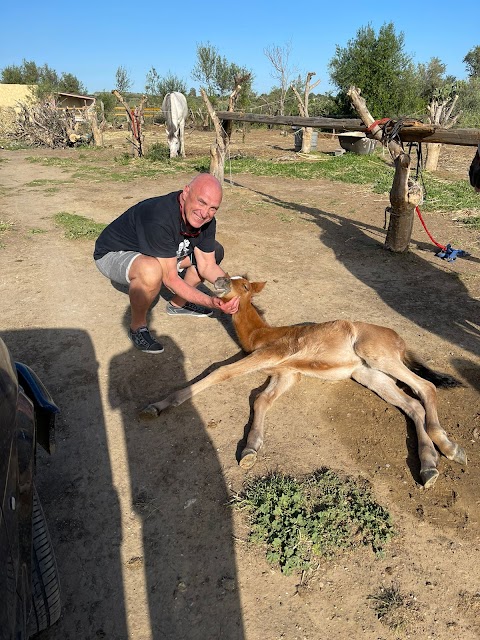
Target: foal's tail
440, 380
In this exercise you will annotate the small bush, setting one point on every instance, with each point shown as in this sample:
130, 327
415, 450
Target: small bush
158, 152
303, 520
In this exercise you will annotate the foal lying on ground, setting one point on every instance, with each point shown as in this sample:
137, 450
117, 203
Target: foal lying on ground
374, 356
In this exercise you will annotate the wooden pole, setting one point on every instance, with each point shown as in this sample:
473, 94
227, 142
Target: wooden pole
412, 132
405, 194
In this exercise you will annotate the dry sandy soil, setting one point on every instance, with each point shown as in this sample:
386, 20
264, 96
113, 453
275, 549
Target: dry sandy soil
146, 543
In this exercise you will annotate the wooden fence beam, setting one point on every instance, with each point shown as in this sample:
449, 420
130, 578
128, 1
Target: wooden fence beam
411, 133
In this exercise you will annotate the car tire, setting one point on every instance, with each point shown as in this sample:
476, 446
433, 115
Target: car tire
46, 605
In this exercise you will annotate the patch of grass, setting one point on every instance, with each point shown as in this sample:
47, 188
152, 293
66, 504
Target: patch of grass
124, 159
370, 170
5, 226
158, 152
472, 223
41, 182
36, 231
54, 162
301, 521
78, 227
397, 610
13, 145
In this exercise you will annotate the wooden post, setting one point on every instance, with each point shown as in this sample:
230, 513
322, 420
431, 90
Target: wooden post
303, 107
405, 194
134, 118
219, 147
91, 116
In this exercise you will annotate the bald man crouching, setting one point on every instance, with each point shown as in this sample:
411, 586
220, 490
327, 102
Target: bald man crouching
155, 241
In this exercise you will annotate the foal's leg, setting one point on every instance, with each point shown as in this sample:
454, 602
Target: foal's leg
427, 393
261, 359
386, 388
278, 384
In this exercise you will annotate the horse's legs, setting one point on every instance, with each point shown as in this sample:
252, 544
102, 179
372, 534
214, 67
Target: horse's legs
386, 388
181, 135
278, 384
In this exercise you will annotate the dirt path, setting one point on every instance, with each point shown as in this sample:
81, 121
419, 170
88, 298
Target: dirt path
146, 543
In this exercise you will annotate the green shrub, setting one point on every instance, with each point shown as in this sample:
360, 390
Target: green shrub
158, 152
303, 520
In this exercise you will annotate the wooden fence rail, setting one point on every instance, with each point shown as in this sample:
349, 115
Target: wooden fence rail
410, 133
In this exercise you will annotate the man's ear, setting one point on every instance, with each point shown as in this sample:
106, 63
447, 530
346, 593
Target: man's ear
257, 287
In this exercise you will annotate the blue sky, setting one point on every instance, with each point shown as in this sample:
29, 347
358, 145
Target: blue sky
92, 39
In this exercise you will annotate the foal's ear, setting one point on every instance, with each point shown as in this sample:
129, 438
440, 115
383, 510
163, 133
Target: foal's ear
256, 287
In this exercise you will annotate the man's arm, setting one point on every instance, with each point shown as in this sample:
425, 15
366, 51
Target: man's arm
177, 285
207, 268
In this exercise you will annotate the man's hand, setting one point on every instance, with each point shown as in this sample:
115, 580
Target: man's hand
230, 307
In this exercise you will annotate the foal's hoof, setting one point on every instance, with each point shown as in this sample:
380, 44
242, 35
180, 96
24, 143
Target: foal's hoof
429, 476
149, 413
459, 456
248, 458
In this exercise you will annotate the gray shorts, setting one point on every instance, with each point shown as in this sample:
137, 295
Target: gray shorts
116, 265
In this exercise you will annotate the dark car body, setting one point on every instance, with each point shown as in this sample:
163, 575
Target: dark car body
29, 587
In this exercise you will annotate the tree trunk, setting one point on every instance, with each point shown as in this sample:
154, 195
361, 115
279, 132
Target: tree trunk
219, 149
405, 195
96, 131
134, 119
432, 156
303, 107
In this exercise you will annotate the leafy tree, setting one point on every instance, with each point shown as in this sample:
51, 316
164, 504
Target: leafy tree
469, 101
432, 79
123, 82
47, 79
219, 75
378, 65
109, 103
157, 87
472, 61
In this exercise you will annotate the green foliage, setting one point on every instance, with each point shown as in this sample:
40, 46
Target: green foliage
371, 170
78, 227
123, 82
472, 222
109, 103
47, 80
5, 226
472, 62
219, 75
158, 152
469, 102
301, 521
157, 87
378, 65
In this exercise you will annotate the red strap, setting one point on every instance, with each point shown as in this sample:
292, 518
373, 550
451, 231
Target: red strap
378, 122
440, 246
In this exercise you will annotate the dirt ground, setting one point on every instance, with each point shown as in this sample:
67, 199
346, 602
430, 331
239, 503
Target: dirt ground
146, 542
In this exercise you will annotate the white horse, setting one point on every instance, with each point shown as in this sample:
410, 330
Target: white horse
175, 110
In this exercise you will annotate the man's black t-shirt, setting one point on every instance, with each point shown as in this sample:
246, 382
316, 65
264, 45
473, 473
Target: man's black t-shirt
152, 227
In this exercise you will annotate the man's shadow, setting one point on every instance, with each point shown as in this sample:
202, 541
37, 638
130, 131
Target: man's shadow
179, 494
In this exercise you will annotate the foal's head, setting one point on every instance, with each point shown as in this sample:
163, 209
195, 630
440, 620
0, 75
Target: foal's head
228, 287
